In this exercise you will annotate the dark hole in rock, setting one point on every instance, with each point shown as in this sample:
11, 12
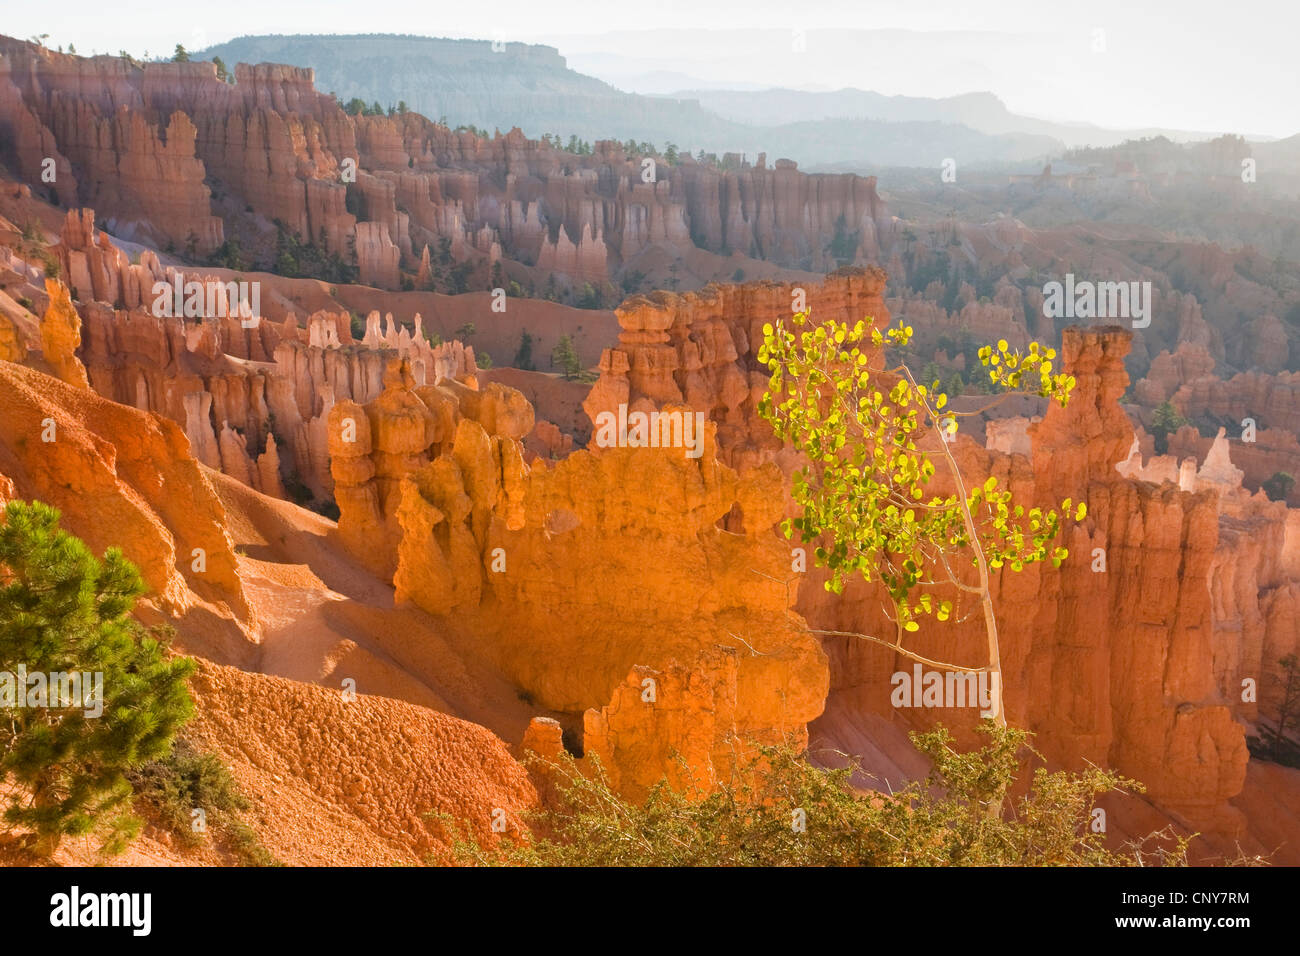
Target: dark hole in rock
733, 521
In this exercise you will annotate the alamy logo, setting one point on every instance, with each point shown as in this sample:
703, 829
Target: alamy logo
653, 430
946, 689
1098, 300
57, 689
75, 908
210, 297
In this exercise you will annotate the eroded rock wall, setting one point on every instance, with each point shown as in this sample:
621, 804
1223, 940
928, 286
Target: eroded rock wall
700, 349
171, 155
122, 478
434, 488
1138, 666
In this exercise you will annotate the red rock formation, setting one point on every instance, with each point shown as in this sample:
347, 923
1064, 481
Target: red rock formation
61, 335
377, 257
253, 395
586, 260
100, 272
121, 478
1169, 371
13, 348
29, 143
1271, 401
685, 732
246, 391
131, 157
1168, 723
433, 489
699, 348
1124, 666
139, 143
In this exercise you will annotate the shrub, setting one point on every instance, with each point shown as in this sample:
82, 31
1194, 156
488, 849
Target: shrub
1279, 485
792, 813
1164, 423
230, 255
297, 491
182, 781
187, 779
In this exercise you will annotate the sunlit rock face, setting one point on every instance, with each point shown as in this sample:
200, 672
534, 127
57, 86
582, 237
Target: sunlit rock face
121, 478
700, 349
434, 490
1118, 656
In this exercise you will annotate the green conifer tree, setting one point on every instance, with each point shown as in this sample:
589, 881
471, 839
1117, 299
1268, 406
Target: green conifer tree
64, 611
565, 357
524, 357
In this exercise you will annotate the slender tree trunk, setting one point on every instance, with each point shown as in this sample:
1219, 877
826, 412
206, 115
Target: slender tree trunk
44, 844
994, 809
982, 564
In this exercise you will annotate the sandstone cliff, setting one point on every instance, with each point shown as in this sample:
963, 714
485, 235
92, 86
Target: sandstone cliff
700, 349
170, 155
1259, 410
1125, 667
122, 478
433, 489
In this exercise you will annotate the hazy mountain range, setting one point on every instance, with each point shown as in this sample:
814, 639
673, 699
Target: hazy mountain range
497, 86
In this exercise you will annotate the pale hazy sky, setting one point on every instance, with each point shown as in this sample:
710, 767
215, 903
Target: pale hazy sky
1191, 64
